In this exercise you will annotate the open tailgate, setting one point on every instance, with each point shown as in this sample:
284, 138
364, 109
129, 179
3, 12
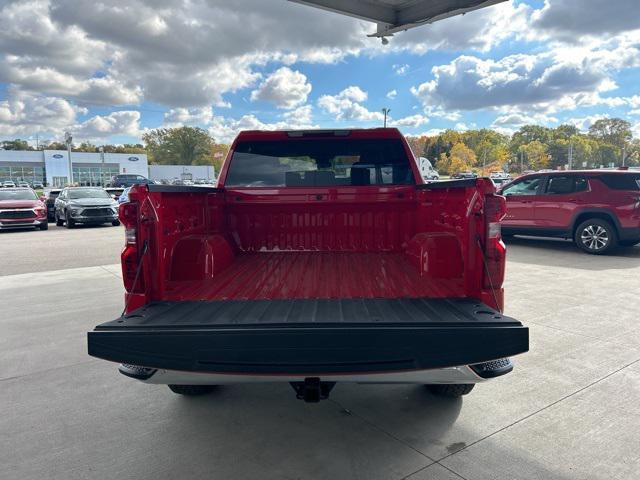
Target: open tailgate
309, 336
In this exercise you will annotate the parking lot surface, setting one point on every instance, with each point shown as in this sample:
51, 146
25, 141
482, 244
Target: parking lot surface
570, 409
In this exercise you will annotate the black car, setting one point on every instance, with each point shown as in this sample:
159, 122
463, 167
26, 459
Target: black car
50, 201
114, 192
465, 175
125, 180
87, 205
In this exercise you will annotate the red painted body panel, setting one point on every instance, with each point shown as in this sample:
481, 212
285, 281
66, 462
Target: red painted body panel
373, 241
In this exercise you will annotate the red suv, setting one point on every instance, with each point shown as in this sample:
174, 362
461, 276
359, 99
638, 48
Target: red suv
598, 209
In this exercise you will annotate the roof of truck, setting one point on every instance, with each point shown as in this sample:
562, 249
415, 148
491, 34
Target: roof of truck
319, 133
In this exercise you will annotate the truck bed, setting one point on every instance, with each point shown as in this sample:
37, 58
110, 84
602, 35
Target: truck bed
309, 336
308, 275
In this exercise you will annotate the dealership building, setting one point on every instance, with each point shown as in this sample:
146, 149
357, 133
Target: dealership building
163, 173
51, 167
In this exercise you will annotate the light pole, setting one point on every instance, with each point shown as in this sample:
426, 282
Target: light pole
68, 139
101, 179
570, 154
385, 111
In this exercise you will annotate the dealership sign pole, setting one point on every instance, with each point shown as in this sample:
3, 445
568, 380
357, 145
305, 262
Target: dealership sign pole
68, 139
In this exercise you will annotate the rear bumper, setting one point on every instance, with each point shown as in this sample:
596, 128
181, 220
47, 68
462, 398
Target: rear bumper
462, 374
166, 340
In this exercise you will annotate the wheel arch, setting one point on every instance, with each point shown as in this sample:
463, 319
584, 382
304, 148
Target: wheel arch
599, 213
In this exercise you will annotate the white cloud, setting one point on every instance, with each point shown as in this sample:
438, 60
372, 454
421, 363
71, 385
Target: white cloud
24, 114
571, 20
299, 116
583, 123
186, 54
226, 129
433, 132
400, 69
392, 94
479, 30
563, 78
285, 88
188, 116
347, 105
104, 126
414, 121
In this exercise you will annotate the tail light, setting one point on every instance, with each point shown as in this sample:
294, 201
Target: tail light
495, 251
130, 257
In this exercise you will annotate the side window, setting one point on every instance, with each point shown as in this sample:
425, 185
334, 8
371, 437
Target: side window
622, 181
559, 185
528, 186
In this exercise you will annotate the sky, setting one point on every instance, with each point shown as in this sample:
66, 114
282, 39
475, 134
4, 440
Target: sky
108, 71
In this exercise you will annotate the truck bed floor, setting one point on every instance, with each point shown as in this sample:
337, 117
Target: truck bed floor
312, 275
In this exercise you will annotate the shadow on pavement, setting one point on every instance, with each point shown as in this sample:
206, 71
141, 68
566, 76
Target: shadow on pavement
555, 252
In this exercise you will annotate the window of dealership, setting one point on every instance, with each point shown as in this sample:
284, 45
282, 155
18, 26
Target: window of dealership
22, 173
51, 167
94, 175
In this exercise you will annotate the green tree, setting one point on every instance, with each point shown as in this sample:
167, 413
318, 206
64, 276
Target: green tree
536, 155
613, 131
462, 158
417, 145
179, 146
16, 144
530, 133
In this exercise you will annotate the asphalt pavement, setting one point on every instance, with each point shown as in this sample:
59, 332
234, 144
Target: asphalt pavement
569, 410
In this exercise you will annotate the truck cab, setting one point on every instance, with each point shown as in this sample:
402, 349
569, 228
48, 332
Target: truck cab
426, 170
321, 257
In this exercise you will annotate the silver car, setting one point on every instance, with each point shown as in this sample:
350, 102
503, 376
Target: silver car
86, 205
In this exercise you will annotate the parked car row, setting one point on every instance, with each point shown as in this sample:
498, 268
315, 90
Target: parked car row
70, 206
187, 182
12, 184
597, 209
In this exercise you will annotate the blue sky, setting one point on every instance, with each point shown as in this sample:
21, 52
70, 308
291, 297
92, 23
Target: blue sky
109, 72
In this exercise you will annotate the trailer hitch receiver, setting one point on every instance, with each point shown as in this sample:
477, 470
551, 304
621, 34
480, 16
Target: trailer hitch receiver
312, 390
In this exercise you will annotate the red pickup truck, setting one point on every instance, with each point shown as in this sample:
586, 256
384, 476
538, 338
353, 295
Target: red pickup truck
320, 257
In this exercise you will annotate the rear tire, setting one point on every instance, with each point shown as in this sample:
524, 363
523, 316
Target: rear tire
451, 390
192, 390
116, 223
596, 236
59, 222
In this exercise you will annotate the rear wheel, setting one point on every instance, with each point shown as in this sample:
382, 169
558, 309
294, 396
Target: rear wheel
451, 390
59, 222
116, 223
192, 390
596, 236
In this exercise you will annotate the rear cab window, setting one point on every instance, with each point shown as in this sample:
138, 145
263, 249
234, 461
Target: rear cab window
319, 163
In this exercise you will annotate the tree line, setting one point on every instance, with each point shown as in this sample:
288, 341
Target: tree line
608, 142
163, 146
